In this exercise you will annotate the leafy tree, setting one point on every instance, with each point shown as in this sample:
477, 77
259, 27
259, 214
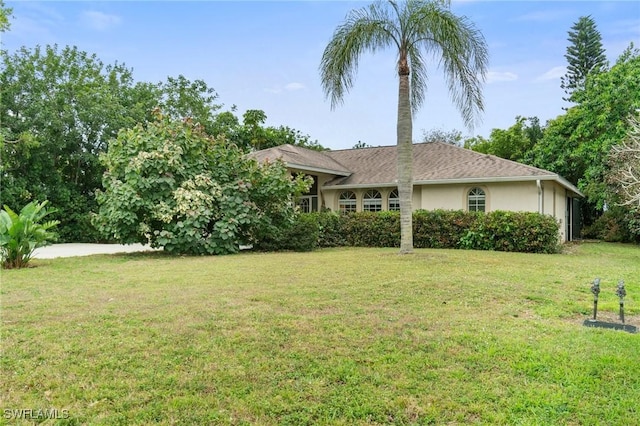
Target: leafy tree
5, 14
413, 28
252, 135
60, 107
171, 185
452, 137
514, 143
22, 233
585, 56
576, 145
181, 98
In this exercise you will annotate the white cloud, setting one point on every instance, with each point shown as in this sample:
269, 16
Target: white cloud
553, 74
294, 86
100, 21
495, 76
288, 87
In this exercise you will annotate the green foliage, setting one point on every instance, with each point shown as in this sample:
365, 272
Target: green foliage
5, 14
576, 145
441, 228
512, 231
367, 229
21, 234
514, 143
60, 107
361, 145
171, 185
498, 230
330, 232
585, 56
616, 225
301, 235
253, 135
180, 98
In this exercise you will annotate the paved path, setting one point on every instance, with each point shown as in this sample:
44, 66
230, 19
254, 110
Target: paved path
81, 249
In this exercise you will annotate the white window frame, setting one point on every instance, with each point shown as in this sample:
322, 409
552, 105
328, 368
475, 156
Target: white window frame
347, 202
477, 200
393, 203
372, 201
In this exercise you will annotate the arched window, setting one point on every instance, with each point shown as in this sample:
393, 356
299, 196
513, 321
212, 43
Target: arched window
372, 201
476, 200
394, 201
347, 202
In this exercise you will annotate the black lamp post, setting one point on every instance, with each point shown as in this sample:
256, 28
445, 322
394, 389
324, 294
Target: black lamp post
595, 289
621, 292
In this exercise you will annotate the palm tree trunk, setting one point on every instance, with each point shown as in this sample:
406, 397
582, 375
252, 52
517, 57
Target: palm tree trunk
405, 163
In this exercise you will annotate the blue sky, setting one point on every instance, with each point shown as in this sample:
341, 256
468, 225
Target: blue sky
265, 55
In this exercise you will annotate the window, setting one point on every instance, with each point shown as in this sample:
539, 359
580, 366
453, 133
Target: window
476, 200
394, 201
308, 203
372, 201
347, 202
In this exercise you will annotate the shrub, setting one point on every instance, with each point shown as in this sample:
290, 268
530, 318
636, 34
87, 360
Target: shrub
498, 230
440, 228
301, 235
21, 234
512, 231
330, 232
619, 224
169, 184
367, 229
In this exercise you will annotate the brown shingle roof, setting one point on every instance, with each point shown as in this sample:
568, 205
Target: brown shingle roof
296, 157
431, 162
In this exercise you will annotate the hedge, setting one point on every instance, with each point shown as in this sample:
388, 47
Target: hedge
497, 230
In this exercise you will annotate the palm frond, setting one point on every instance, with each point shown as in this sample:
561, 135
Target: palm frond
366, 29
463, 54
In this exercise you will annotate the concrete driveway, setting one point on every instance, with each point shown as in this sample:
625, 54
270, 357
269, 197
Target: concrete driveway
82, 249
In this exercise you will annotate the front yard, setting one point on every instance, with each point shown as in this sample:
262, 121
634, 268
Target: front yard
336, 336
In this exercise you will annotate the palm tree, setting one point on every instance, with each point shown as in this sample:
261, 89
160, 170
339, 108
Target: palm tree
415, 28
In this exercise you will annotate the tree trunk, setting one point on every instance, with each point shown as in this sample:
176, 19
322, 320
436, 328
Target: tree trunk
405, 163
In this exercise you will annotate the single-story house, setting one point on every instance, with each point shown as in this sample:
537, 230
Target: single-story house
445, 177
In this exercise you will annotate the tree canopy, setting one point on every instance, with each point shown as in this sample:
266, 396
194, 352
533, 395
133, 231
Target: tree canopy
62, 106
576, 145
585, 55
514, 143
5, 14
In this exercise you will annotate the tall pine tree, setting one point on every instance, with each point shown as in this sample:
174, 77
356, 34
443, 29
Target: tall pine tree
585, 55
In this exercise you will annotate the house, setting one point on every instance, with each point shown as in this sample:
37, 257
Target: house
445, 177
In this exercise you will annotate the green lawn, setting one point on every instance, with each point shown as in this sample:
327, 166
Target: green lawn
340, 336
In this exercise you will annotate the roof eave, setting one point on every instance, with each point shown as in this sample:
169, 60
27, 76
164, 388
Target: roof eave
317, 169
552, 177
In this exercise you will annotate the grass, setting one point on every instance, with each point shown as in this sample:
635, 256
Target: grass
341, 336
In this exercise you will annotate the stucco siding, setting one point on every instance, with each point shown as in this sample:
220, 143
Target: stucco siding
445, 197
